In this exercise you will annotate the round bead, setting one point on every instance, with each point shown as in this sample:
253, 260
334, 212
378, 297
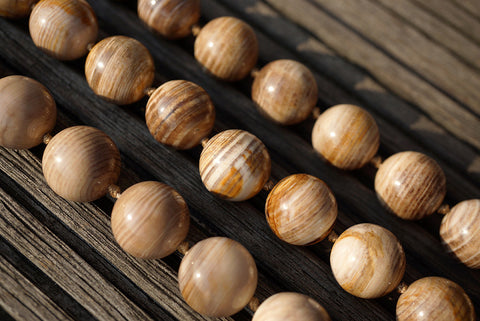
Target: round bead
435, 298
119, 69
227, 47
289, 306
217, 277
63, 28
346, 136
171, 18
180, 114
460, 231
15, 8
286, 91
234, 165
80, 163
301, 209
27, 112
150, 220
367, 261
411, 185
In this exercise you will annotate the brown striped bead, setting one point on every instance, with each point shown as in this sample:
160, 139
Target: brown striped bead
346, 136
460, 231
217, 277
119, 69
435, 298
150, 220
27, 112
227, 47
15, 8
180, 114
301, 209
289, 306
80, 163
411, 185
285, 91
367, 261
63, 28
234, 165
171, 18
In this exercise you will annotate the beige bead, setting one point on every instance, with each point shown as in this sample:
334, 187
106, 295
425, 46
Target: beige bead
63, 28
119, 69
367, 261
435, 298
235, 165
346, 136
80, 163
227, 47
411, 185
27, 112
180, 114
217, 277
15, 8
285, 91
150, 220
301, 209
460, 231
171, 18
289, 306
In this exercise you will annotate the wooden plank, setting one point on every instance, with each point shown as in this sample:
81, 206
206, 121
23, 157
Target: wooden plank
22, 300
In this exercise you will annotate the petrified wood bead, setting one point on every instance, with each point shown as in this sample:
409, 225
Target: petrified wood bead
27, 112
180, 114
171, 18
150, 220
347, 136
289, 306
227, 47
63, 28
435, 298
301, 209
411, 185
80, 163
217, 277
460, 231
286, 91
119, 69
367, 261
234, 165
15, 8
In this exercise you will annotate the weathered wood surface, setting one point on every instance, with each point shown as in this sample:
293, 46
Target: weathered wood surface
414, 66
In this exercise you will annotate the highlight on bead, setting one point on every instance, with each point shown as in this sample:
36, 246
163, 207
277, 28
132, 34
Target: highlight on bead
217, 277
27, 112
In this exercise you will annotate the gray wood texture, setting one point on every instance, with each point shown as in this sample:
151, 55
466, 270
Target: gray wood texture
414, 67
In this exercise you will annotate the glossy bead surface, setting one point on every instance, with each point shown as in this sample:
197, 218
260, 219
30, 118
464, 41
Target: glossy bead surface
227, 47
286, 91
217, 277
150, 220
460, 231
367, 261
180, 114
119, 69
289, 306
346, 136
80, 163
15, 8
234, 165
171, 18
27, 112
301, 209
435, 298
63, 28
411, 185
